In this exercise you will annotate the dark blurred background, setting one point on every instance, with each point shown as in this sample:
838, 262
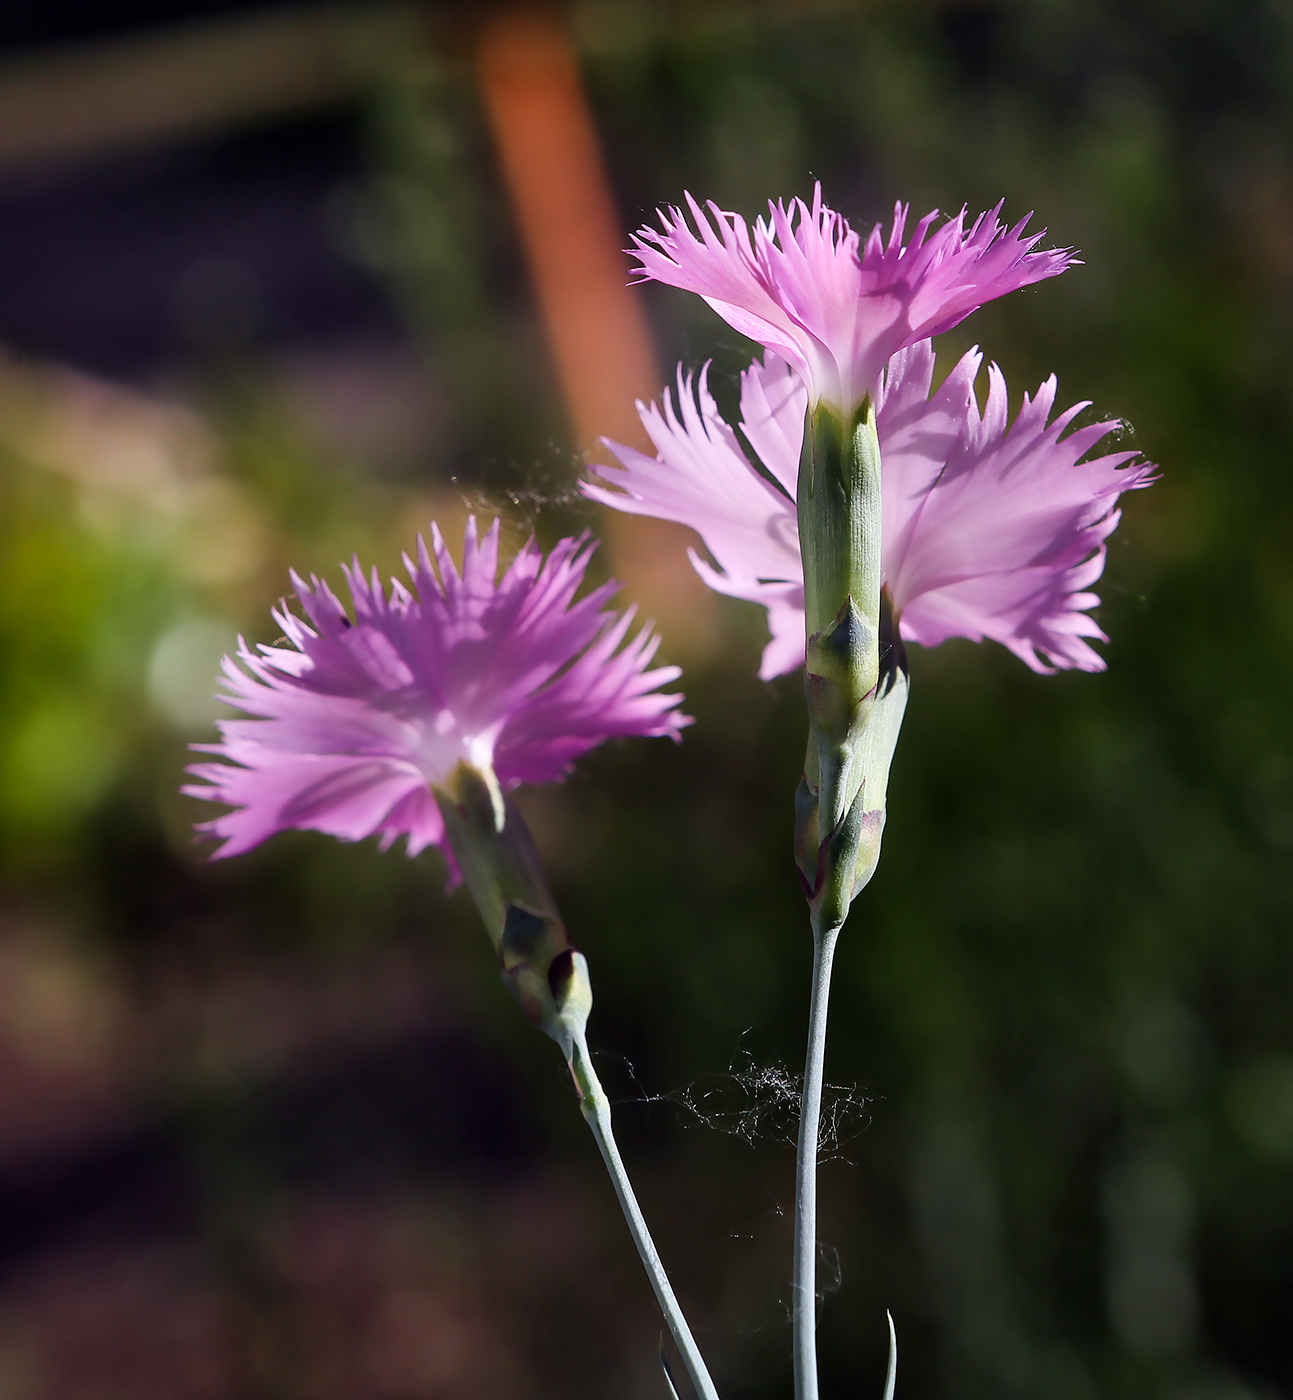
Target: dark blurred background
279, 284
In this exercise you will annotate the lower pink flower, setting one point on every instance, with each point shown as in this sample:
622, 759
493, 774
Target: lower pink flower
357, 721
989, 528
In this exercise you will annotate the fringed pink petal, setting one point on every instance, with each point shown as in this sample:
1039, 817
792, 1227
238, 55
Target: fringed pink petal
702, 478
805, 287
345, 796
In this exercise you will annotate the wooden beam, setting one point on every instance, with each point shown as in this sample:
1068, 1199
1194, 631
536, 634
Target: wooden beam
86, 101
574, 239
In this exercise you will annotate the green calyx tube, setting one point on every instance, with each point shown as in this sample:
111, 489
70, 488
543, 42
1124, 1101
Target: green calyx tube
856, 672
494, 848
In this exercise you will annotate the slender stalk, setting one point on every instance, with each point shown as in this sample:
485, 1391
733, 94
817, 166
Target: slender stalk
804, 1282
597, 1113
891, 1375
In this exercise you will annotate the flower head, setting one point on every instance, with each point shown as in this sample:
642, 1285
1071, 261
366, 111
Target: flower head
805, 287
989, 528
356, 723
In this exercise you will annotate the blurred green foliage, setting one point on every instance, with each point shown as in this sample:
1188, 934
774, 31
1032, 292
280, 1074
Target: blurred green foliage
1067, 990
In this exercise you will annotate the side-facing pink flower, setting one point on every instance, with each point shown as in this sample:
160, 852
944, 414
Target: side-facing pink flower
354, 726
805, 287
989, 528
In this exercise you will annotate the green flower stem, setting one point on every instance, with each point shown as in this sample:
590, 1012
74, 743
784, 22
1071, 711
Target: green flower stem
549, 978
804, 1282
855, 683
597, 1113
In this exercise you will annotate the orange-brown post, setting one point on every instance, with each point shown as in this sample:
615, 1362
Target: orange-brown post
552, 165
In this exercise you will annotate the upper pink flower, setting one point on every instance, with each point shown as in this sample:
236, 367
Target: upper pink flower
989, 528
354, 725
805, 288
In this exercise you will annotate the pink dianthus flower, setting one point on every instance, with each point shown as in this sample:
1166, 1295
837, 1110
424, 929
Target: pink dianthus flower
358, 720
805, 287
988, 528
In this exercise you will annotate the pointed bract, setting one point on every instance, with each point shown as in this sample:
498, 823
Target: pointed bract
804, 285
989, 528
349, 730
